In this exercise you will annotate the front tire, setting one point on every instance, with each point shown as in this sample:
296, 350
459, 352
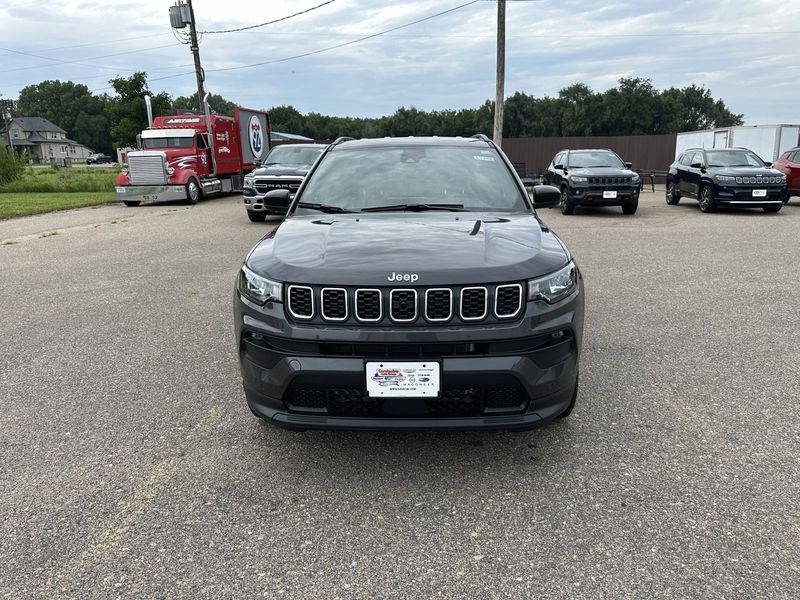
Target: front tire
567, 207
673, 197
193, 193
630, 208
707, 202
256, 217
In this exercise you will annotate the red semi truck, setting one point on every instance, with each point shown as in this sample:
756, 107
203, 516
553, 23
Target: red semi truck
179, 160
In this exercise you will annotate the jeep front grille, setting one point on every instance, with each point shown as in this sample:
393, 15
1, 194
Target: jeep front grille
508, 300
334, 304
474, 303
438, 304
149, 169
610, 180
759, 180
403, 305
392, 306
301, 302
369, 305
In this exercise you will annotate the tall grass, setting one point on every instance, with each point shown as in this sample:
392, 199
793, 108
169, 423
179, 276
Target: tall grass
72, 179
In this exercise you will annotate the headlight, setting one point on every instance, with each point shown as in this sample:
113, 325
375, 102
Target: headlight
248, 180
554, 287
170, 171
259, 289
725, 179
577, 179
635, 179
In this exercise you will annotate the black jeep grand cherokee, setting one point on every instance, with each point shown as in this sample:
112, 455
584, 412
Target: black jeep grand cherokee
411, 286
725, 177
595, 177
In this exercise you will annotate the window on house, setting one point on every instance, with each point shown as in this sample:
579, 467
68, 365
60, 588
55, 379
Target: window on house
63, 149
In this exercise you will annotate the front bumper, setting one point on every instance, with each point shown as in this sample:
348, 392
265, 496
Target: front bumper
517, 375
593, 196
151, 193
743, 197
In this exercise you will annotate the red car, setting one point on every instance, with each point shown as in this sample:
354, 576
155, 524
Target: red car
789, 165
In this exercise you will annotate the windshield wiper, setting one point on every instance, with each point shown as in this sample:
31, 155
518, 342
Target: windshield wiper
326, 208
414, 207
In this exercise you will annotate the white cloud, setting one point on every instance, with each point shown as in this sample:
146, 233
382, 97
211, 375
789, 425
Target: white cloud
448, 62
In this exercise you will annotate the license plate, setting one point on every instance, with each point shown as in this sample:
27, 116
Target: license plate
120, 190
409, 379
611, 194
150, 197
759, 193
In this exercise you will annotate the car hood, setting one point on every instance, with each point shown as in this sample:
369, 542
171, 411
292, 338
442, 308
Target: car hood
442, 249
744, 171
276, 170
602, 172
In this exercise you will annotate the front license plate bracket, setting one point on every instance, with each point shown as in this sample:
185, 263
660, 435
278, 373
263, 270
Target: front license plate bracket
398, 379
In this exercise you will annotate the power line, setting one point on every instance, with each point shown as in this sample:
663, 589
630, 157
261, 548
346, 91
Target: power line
342, 45
78, 61
302, 12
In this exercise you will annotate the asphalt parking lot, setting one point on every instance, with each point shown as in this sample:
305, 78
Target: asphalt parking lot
130, 465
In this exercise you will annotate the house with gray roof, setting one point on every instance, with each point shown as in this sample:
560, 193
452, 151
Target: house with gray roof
42, 141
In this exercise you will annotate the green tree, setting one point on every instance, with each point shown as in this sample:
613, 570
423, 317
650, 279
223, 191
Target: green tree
218, 104
72, 107
127, 109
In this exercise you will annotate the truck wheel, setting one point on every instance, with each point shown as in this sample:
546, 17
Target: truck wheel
772, 209
707, 202
630, 208
256, 217
193, 193
673, 197
131, 202
567, 207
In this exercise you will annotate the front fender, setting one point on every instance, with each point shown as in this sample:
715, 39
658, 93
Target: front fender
182, 176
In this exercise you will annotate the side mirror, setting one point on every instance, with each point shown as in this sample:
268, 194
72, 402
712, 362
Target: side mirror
559, 167
628, 165
768, 163
277, 200
697, 165
546, 196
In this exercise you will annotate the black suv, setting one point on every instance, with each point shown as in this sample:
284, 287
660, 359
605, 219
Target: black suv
725, 177
596, 177
283, 168
98, 158
410, 286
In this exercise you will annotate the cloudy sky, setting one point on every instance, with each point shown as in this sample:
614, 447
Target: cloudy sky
745, 52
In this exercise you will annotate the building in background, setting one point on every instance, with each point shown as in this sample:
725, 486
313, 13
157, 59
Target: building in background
42, 141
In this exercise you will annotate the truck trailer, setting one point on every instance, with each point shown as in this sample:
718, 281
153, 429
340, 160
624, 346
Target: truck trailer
768, 141
186, 157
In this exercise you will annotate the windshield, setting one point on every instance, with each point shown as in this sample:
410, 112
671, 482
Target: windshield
293, 155
473, 178
733, 158
594, 158
168, 142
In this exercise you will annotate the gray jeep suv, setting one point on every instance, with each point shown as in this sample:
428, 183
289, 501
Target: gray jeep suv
411, 286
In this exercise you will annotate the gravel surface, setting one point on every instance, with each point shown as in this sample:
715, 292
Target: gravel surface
131, 467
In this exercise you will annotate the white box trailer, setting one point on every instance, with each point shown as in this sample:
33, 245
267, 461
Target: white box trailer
768, 141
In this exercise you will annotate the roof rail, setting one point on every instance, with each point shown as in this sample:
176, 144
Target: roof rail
341, 139
481, 136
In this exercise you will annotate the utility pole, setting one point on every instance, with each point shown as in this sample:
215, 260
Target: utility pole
499, 99
180, 15
198, 70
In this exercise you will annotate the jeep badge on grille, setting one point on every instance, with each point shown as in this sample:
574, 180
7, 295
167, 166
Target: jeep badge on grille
412, 277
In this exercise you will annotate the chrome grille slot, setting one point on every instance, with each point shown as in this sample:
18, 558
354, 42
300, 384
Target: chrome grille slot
507, 300
301, 302
473, 303
438, 304
369, 305
334, 304
148, 169
403, 305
